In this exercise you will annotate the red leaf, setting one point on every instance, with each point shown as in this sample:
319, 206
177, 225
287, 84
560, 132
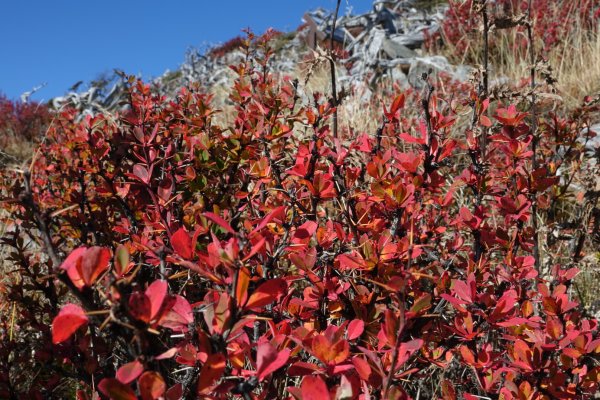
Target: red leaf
219, 221
182, 244
211, 371
411, 139
267, 293
355, 329
570, 274
255, 248
397, 104
167, 354
571, 352
68, 320
175, 392
165, 189
139, 134
466, 214
73, 266
301, 368
510, 116
407, 349
142, 173
363, 143
448, 391
81, 395
362, 368
129, 372
421, 304
152, 385
179, 316
73, 259
156, 293
140, 307
409, 161
116, 390
302, 160
85, 265
322, 186
278, 212
304, 232
463, 291
268, 359
515, 321
94, 262
352, 260
305, 260
314, 388
153, 134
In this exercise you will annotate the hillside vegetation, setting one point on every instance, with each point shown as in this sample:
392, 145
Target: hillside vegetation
297, 231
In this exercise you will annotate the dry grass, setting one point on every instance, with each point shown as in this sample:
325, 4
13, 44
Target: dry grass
574, 61
575, 64
15, 151
361, 109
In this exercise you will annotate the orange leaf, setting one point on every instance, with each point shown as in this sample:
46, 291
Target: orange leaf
241, 290
211, 371
267, 293
330, 353
152, 385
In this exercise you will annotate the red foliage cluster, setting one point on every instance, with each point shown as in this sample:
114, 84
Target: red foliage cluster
237, 43
22, 121
232, 44
267, 259
553, 21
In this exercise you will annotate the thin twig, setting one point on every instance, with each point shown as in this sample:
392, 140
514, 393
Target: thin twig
40, 221
334, 97
534, 164
485, 81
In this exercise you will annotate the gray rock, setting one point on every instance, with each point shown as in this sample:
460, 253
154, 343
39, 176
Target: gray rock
394, 48
375, 45
412, 40
399, 77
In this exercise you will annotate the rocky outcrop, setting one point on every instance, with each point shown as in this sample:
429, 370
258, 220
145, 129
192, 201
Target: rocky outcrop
385, 41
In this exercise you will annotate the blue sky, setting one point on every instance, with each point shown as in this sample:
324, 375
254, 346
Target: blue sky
59, 42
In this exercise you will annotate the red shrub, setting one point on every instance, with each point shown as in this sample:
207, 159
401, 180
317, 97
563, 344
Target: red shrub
268, 260
22, 122
233, 44
237, 43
